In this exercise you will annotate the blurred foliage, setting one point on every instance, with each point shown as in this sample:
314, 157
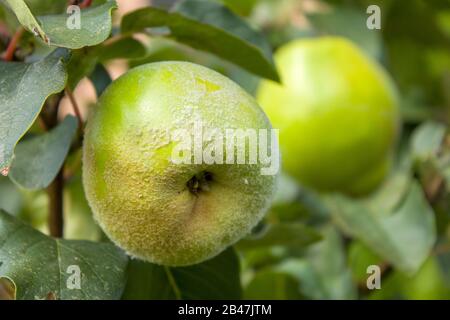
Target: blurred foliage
217, 278
310, 246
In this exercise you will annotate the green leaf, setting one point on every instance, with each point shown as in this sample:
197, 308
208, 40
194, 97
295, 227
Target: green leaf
79, 223
95, 27
124, 48
39, 159
39, 7
209, 26
443, 259
243, 7
287, 190
83, 62
26, 18
7, 289
292, 202
273, 285
431, 154
427, 140
145, 18
329, 260
23, 91
349, 23
399, 226
43, 267
11, 199
95, 24
324, 273
100, 79
264, 257
294, 235
413, 37
217, 278
310, 283
387, 198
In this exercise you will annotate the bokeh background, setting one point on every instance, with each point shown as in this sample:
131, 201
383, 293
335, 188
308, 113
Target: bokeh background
414, 47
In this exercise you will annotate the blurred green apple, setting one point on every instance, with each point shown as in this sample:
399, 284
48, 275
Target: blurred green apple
337, 112
157, 209
429, 283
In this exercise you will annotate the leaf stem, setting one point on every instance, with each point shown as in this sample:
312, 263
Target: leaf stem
81, 3
173, 283
11, 49
76, 109
56, 188
55, 194
85, 4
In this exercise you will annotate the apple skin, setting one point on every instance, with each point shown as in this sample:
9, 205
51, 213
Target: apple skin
139, 197
337, 111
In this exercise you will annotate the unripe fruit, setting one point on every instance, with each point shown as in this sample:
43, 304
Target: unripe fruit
157, 210
337, 113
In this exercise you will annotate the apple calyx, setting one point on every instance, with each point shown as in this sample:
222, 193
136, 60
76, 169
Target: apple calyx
200, 182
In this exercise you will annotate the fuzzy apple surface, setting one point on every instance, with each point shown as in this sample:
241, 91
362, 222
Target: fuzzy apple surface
337, 112
157, 209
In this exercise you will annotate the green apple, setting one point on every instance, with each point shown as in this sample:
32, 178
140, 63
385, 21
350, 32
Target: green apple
337, 112
157, 209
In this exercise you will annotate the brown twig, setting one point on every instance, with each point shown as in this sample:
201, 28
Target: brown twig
42, 123
69, 173
55, 217
76, 109
434, 189
85, 4
441, 249
11, 49
56, 188
385, 270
